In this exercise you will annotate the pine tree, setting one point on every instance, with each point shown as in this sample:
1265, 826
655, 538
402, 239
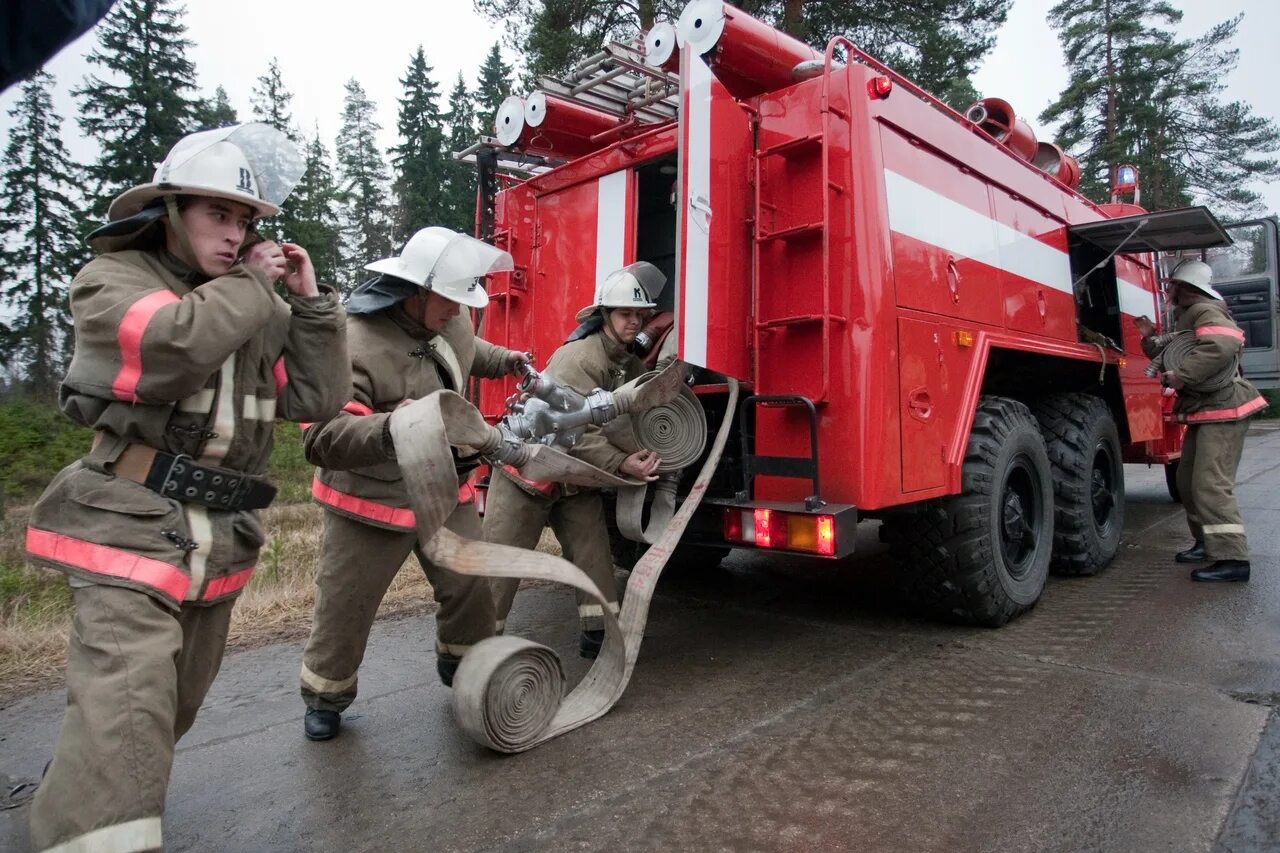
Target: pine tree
461, 121
314, 204
135, 121
217, 111
40, 252
366, 227
419, 161
1138, 94
492, 88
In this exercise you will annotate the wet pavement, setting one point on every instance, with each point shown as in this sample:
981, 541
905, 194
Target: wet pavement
785, 704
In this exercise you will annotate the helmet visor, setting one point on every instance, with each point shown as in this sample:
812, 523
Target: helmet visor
277, 163
464, 259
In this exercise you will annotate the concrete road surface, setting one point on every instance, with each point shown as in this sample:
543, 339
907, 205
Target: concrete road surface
784, 704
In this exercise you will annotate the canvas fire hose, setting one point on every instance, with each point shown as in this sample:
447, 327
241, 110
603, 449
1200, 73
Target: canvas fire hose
509, 692
1173, 353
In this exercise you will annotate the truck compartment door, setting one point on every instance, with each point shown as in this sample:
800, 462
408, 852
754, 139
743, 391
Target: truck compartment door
713, 305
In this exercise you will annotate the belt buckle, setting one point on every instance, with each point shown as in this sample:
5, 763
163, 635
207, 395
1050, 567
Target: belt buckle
171, 485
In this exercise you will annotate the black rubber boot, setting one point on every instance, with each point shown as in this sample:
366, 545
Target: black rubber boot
1194, 554
321, 725
1223, 570
590, 642
447, 666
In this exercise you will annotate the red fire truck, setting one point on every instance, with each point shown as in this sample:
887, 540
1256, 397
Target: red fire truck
931, 327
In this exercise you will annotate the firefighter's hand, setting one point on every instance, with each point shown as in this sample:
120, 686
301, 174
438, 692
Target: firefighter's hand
1171, 380
300, 279
268, 259
641, 465
1146, 328
516, 362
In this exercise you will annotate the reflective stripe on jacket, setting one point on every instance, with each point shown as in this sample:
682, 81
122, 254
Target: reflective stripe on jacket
187, 366
393, 359
1219, 344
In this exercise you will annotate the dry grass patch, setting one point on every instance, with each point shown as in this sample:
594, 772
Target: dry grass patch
35, 605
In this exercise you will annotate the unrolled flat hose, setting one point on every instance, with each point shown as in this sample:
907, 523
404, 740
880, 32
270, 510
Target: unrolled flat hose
508, 693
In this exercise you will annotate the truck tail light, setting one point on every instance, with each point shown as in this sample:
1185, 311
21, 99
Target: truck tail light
879, 87
780, 530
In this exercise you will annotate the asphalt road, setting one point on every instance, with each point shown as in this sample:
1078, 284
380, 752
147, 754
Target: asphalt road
784, 704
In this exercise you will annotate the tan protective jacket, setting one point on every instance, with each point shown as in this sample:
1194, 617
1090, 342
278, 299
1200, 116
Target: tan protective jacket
596, 361
1219, 342
393, 359
167, 358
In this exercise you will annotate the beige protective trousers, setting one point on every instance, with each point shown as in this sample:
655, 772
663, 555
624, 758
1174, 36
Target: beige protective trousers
1207, 482
516, 517
137, 672
357, 564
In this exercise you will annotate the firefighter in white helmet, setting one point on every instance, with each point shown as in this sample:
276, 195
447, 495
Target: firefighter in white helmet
409, 336
184, 357
597, 355
1215, 402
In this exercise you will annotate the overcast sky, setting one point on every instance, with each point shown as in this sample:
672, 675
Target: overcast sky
373, 40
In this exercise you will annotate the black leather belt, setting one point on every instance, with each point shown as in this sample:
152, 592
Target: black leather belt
183, 479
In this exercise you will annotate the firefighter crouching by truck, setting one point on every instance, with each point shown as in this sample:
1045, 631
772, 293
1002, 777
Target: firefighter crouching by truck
1215, 403
184, 357
596, 355
408, 338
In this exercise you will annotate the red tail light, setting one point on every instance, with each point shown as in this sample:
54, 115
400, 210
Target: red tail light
781, 530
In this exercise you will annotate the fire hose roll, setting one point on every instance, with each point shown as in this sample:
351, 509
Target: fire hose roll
1173, 353
677, 432
509, 693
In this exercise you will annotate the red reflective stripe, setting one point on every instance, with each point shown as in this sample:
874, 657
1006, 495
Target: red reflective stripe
466, 494
1202, 331
281, 375
226, 584
538, 485
132, 327
112, 562
355, 408
1228, 414
372, 510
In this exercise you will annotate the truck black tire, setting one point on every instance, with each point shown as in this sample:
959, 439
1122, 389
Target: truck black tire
1171, 481
1088, 481
982, 557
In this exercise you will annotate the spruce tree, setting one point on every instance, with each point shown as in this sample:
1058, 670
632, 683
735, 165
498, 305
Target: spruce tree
419, 161
461, 121
492, 88
270, 99
366, 226
216, 111
40, 252
1138, 94
143, 104
314, 205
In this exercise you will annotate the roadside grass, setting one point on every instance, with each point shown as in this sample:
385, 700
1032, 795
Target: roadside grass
35, 604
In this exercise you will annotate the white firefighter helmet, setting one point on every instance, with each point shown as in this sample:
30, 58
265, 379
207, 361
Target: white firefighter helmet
447, 263
634, 286
253, 164
1195, 274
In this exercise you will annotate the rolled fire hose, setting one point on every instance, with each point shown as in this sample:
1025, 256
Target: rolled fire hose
677, 432
1173, 353
508, 693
